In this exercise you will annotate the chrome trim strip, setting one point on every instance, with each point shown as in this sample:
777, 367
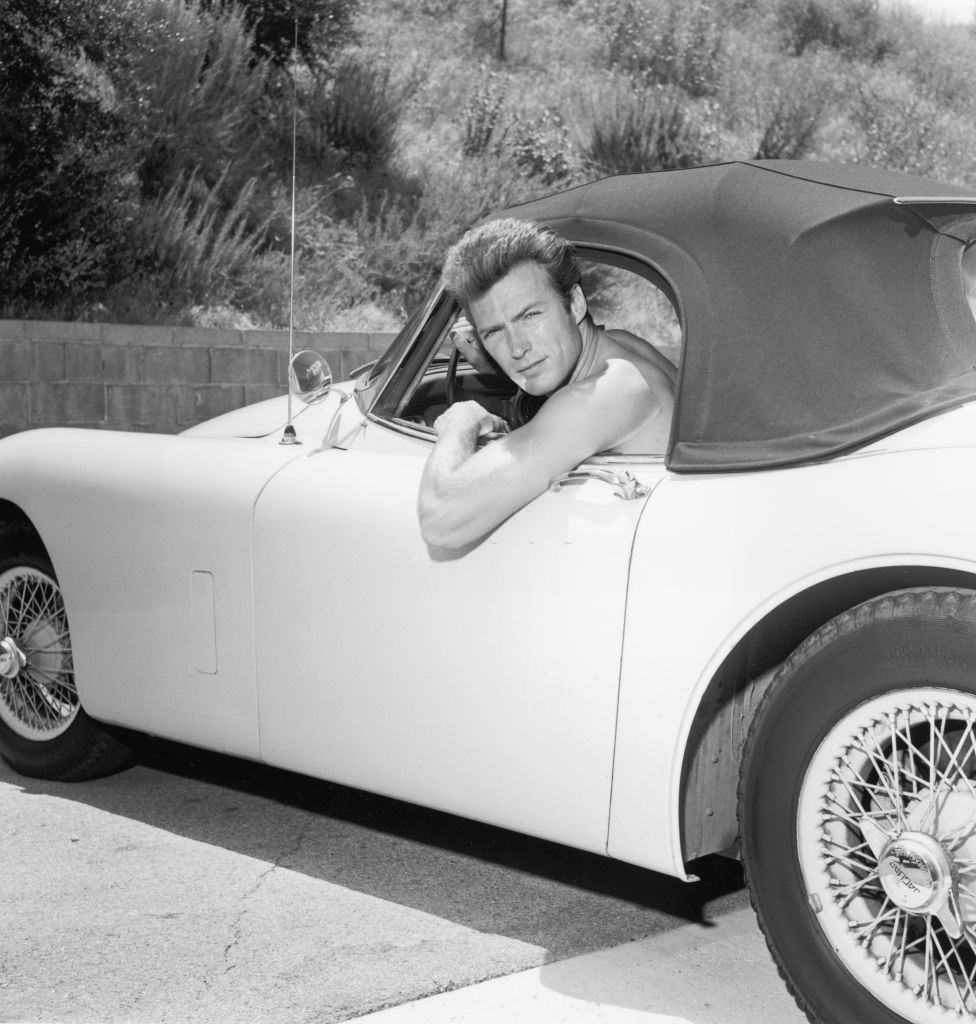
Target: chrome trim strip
409, 429
403, 427
428, 309
917, 200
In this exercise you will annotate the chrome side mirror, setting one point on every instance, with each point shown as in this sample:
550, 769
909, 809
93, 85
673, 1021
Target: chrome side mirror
309, 377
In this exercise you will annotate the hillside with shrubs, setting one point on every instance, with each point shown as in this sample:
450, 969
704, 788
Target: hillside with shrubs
146, 148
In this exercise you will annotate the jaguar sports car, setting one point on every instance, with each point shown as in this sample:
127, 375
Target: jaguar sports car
759, 642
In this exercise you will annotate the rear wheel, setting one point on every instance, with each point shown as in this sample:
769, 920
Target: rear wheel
44, 731
858, 813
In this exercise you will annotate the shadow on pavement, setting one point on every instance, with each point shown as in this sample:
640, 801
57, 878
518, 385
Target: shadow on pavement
476, 875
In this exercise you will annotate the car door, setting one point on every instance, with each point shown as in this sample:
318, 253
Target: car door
483, 683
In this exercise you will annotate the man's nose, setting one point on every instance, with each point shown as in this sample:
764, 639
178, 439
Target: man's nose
518, 343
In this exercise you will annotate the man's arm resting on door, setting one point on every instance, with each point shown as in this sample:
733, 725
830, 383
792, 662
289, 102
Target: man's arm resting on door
466, 491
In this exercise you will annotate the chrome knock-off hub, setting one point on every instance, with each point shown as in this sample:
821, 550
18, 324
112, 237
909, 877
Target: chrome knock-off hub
916, 872
12, 659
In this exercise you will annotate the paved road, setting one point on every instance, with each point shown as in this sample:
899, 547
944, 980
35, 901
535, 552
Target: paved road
201, 888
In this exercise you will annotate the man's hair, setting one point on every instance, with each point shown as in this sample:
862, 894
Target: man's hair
486, 253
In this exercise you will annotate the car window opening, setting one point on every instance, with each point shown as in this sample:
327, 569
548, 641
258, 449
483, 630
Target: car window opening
619, 299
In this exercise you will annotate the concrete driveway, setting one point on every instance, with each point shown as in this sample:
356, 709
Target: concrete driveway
200, 888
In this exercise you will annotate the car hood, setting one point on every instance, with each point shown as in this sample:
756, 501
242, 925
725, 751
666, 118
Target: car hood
257, 420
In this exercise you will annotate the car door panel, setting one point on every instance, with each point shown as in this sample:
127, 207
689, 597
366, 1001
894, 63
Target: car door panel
482, 682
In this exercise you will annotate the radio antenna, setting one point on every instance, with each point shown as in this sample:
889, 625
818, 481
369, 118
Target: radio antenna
289, 436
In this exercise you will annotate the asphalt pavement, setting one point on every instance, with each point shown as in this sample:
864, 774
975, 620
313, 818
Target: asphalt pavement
194, 888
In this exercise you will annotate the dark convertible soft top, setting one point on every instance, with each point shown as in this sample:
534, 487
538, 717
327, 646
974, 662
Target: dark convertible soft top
818, 312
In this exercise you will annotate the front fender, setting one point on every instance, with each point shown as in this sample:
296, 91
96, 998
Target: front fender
150, 536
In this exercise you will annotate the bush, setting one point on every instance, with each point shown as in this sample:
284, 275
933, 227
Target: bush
541, 146
940, 64
648, 130
402, 246
668, 43
360, 110
63, 190
853, 27
322, 26
899, 129
191, 248
194, 94
482, 115
792, 105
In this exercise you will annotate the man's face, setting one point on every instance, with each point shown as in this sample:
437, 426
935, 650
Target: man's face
526, 328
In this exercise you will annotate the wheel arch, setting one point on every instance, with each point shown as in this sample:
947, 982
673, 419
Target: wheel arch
13, 516
713, 753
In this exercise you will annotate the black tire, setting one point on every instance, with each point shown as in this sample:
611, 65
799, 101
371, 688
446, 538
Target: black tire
839, 798
44, 731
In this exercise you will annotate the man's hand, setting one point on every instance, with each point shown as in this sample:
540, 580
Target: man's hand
467, 490
467, 342
466, 422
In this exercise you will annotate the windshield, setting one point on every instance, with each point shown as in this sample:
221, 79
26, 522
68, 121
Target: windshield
371, 383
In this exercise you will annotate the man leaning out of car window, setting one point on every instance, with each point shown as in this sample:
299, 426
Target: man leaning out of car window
519, 286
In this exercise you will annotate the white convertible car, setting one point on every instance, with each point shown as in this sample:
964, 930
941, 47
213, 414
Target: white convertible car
760, 642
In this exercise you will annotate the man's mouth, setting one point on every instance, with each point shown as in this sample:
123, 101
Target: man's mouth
532, 366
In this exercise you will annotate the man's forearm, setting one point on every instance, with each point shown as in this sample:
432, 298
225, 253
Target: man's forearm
441, 504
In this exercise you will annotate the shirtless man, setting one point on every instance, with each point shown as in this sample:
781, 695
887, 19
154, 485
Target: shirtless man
519, 285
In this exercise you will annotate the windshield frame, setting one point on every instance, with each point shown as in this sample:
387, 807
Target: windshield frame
370, 385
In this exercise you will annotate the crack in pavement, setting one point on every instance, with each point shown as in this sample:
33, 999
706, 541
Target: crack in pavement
236, 927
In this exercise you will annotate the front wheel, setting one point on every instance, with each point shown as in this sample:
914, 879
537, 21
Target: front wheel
858, 813
44, 731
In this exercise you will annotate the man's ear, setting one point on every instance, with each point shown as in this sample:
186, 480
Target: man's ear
577, 304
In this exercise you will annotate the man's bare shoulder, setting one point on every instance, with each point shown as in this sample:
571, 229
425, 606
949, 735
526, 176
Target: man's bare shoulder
626, 401
643, 356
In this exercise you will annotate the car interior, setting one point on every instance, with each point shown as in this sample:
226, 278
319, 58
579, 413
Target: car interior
619, 299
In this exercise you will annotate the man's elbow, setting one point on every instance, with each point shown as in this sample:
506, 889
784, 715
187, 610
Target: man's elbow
449, 524
437, 532
438, 528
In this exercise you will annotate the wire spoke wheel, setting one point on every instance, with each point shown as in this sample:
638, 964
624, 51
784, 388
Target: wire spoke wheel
38, 698
886, 843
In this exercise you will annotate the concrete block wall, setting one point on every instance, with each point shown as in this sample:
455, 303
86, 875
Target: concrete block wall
161, 379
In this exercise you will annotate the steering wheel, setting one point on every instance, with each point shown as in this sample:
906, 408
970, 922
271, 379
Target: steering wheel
516, 410
450, 379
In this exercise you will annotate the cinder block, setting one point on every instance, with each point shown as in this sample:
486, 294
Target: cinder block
48, 361
267, 339
176, 365
13, 403
15, 360
66, 404
203, 403
12, 330
142, 406
61, 330
351, 359
108, 363
243, 365
380, 341
134, 334
207, 337
261, 392
338, 339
